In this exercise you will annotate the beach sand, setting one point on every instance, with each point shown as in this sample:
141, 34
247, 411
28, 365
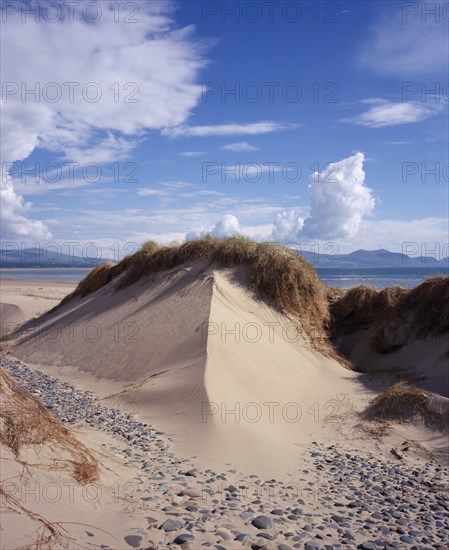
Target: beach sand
234, 389
232, 380
24, 300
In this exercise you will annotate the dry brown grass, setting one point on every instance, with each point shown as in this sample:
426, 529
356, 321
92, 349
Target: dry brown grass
25, 422
362, 306
372, 430
334, 293
398, 315
429, 302
85, 472
48, 535
274, 271
402, 402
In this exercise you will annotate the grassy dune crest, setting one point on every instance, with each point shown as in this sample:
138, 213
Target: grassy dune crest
274, 272
403, 402
398, 315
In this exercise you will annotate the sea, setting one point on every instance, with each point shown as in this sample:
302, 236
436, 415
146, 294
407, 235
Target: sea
59, 274
340, 277
380, 277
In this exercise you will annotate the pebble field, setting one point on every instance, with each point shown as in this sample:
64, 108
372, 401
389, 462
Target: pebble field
339, 499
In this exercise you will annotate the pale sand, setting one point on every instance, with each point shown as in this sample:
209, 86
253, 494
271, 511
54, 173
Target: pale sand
24, 300
42, 491
423, 361
165, 349
154, 352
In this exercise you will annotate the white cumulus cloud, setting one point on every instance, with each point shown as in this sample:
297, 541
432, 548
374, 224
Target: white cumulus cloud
339, 200
287, 226
227, 226
97, 92
13, 220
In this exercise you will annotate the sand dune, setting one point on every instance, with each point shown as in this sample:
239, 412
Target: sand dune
404, 332
232, 379
11, 316
245, 388
186, 348
24, 300
58, 489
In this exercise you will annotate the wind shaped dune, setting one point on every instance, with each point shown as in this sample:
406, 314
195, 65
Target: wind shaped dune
190, 334
397, 330
222, 343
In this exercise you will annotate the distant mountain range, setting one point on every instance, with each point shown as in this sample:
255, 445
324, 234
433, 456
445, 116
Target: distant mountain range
41, 257
372, 258
38, 257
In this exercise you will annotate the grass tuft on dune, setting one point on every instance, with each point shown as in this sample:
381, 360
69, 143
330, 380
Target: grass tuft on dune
402, 402
398, 315
25, 422
274, 271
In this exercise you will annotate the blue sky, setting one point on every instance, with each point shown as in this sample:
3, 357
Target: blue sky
299, 122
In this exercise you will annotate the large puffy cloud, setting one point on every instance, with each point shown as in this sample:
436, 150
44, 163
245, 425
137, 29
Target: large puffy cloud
126, 64
227, 226
340, 200
13, 211
287, 226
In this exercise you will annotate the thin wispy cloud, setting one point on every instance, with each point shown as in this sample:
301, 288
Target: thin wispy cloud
388, 113
109, 148
148, 192
177, 191
192, 154
241, 146
405, 42
230, 129
396, 142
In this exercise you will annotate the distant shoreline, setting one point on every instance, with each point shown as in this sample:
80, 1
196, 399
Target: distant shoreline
324, 265
341, 277
46, 267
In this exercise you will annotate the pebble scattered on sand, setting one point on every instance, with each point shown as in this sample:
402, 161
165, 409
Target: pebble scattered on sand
342, 500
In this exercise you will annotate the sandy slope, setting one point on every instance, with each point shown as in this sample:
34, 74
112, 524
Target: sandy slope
45, 499
11, 316
162, 345
284, 394
235, 387
423, 362
23, 300
192, 352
